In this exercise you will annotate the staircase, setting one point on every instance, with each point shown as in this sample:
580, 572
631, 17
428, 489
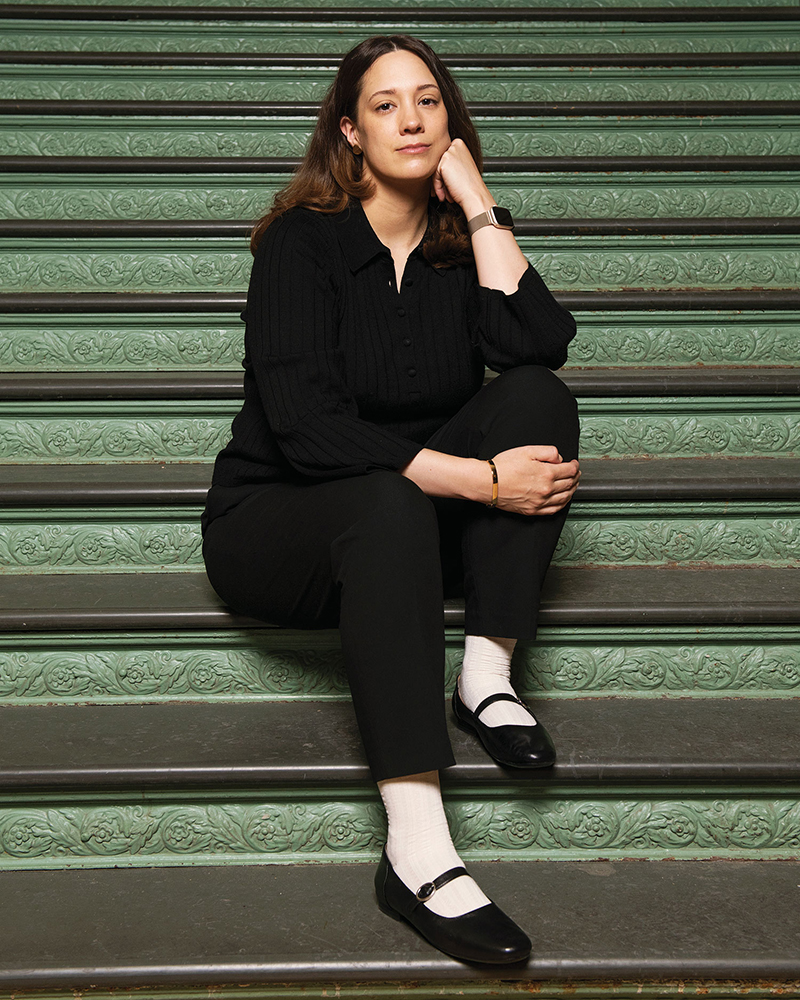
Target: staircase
184, 804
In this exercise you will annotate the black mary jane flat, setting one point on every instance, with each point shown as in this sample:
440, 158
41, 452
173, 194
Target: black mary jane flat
484, 935
511, 746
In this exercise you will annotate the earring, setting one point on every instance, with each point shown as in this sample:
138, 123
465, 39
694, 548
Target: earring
356, 149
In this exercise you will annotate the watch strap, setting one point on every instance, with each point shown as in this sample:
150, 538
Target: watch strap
484, 219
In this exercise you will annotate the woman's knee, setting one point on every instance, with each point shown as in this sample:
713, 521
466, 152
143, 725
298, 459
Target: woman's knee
534, 402
530, 386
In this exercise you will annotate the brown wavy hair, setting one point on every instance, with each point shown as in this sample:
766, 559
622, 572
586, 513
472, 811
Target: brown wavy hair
331, 174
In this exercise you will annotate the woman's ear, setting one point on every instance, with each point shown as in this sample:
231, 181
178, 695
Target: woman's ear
349, 131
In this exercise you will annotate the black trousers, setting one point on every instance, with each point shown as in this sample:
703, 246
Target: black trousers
375, 556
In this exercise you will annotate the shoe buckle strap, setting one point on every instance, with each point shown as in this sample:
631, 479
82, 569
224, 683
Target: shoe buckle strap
499, 696
427, 889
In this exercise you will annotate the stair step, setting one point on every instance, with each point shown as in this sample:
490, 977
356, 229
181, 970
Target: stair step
671, 479
207, 263
469, 60
634, 300
366, 11
496, 108
188, 784
572, 596
498, 83
570, 28
144, 539
254, 924
106, 344
173, 430
262, 665
760, 381
766, 199
210, 229
269, 744
201, 132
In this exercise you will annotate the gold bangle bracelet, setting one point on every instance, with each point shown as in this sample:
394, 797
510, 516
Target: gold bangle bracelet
493, 502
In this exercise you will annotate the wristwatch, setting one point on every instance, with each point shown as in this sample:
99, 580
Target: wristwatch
500, 218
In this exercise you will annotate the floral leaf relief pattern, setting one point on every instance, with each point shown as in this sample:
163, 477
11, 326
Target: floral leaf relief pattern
83, 674
540, 196
66, 547
662, 668
548, 85
74, 440
664, 541
724, 342
565, 268
79, 674
666, 268
585, 828
684, 828
113, 348
64, 440
83, 547
84, 270
733, 435
503, 137
608, 342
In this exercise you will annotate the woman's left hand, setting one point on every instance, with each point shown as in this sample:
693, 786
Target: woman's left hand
458, 179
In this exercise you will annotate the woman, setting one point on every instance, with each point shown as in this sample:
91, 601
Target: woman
369, 473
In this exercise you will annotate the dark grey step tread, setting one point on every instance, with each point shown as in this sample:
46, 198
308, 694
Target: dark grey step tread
621, 920
617, 596
605, 382
602, 479
123, 303
697, 225
397, 13
284, 165
457, 60
178, 746
479, 109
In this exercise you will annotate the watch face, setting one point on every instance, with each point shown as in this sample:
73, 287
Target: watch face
503, 217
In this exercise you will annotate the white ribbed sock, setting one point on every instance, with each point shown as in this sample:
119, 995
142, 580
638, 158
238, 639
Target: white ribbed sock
486, 670
419, 844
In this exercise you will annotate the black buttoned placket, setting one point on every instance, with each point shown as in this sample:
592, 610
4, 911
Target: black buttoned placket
403, 308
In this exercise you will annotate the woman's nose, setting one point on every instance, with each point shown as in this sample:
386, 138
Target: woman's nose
412, 123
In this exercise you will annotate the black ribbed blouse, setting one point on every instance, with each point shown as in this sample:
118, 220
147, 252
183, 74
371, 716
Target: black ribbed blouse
345, 373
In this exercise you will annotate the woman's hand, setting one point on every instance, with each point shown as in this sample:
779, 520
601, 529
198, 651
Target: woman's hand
498, 258
533, 479
458, 179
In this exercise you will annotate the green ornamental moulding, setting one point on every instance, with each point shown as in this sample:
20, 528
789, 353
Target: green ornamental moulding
448, 35
77, 540
566, 262
258, 83
55, 342
502, 825
265, 665
61, 433
526, 195
207, 135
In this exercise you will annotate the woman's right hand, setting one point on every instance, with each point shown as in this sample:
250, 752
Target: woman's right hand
534, 479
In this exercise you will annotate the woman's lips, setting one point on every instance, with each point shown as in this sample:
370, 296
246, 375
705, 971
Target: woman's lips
419, 148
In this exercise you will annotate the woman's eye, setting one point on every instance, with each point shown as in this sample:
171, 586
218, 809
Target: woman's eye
428, 101
383, 107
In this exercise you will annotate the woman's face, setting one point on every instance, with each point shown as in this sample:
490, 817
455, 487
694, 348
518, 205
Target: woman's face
402, 121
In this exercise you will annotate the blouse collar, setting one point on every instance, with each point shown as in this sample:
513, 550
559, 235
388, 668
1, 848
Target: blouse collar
357, 237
